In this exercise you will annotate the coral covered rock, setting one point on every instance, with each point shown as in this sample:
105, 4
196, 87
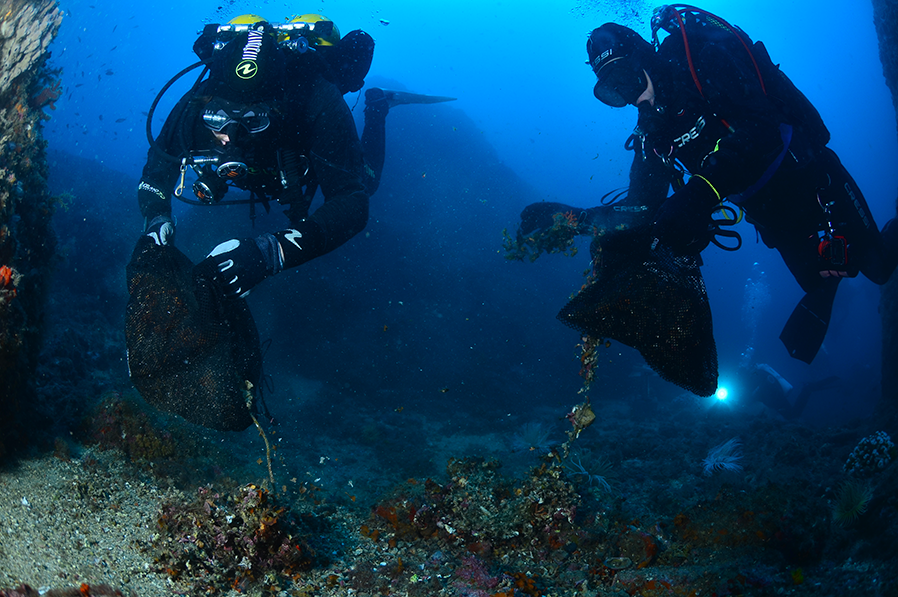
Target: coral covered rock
27, 245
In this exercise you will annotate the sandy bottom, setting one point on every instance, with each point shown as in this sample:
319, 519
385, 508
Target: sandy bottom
68, 522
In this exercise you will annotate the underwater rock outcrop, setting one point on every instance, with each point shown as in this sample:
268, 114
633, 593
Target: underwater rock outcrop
885, 17
27, 245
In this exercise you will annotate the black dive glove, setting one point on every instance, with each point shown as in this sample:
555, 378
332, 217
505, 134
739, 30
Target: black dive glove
539, 216
162, 230
238, 265
683, 221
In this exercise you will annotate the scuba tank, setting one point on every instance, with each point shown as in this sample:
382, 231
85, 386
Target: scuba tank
700, 26
795, 106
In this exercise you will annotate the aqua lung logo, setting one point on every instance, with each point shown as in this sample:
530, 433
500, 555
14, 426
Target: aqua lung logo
248, 67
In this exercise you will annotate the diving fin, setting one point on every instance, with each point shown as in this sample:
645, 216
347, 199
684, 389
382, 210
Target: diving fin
794, 411
396, 98
806, 328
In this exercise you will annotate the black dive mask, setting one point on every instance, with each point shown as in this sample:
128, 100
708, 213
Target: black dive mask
219, 113
620, 82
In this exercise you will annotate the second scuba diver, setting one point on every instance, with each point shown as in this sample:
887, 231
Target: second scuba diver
719, 121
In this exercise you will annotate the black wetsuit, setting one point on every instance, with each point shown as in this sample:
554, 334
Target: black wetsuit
311, 120
761, 147
766, 386
630, 209
765, 150
347, 65
773, 165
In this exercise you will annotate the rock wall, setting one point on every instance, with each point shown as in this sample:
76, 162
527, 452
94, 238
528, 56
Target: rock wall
27, 245
885, 16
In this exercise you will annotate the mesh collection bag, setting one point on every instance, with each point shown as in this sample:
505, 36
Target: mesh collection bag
190, 350
652, 301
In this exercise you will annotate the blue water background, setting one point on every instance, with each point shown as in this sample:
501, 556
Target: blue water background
423, 301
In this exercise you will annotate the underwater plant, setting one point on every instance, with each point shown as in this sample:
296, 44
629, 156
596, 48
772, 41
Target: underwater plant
723, 457
84, 590
558, 238
483, 512
574, 469
533, 436
852, 499
228, 540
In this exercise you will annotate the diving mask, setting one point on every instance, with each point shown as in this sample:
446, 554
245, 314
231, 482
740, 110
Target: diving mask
219, 113
620, 82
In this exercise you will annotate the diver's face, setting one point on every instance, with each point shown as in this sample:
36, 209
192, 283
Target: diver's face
649, 94
229, 120
234, 134
619, 82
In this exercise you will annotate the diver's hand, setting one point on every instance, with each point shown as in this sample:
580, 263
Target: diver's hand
162, 230
237, 266
683, 222
539, 216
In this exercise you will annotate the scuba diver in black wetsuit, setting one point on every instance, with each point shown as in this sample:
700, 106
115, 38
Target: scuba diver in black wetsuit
270, 119
764, 385
714, 107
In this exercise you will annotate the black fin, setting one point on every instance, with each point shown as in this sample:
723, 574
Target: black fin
806, 328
